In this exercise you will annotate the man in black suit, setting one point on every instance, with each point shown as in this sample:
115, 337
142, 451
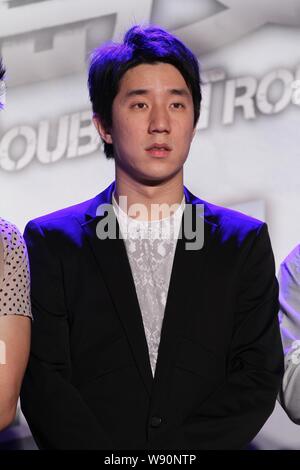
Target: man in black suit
139, 342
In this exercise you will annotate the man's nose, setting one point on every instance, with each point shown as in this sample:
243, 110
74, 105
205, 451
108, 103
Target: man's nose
159, 120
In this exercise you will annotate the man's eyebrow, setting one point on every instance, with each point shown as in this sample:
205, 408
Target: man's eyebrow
179, 92
136, 92
172, 91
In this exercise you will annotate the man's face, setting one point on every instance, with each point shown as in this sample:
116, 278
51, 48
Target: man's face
153, 106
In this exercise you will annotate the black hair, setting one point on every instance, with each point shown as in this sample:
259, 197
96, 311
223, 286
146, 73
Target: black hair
141, 45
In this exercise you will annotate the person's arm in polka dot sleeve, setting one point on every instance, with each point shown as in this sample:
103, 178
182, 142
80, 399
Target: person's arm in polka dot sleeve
15, 314
15, 282
289, 316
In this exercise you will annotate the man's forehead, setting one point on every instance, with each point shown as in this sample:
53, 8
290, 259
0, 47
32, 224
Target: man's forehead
150, 72
150, 78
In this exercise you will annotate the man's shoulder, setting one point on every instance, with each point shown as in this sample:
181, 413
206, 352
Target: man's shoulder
235, 229
225, 218
230, 218
229, 222
62, 218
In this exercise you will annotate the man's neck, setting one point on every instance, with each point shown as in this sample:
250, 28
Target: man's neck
167, 194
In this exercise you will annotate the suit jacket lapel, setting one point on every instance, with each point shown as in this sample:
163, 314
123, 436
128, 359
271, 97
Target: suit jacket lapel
184, 289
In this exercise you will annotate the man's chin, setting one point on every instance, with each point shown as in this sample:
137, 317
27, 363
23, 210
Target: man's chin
156, 179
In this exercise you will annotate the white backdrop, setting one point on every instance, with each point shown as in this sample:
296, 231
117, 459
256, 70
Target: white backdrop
246, 151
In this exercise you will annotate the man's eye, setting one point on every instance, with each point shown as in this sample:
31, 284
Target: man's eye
139, 105
178, 105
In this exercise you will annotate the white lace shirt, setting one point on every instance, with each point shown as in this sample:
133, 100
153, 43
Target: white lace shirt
150, 247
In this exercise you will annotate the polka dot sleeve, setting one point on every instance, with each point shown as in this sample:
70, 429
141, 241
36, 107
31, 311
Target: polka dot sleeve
14, 275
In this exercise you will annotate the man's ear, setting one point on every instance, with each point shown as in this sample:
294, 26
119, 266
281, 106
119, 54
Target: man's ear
102, 130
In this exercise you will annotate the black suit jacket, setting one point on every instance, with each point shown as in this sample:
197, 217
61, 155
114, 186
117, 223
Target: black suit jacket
89, 384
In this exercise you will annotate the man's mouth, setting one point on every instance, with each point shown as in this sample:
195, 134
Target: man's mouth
159, 150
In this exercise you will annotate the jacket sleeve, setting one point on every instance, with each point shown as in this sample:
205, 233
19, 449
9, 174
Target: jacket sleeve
232, 416
289, 317
54, 409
